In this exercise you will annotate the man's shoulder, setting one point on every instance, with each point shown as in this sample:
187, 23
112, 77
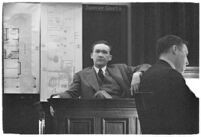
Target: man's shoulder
161, 78
162, 71
175, 74
117, 65
85, 70
170, 72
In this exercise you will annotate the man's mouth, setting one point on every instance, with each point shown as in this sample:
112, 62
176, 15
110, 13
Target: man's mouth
100, 59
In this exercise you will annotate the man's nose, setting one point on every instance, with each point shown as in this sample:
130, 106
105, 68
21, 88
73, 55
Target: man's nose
187, 62
100, 54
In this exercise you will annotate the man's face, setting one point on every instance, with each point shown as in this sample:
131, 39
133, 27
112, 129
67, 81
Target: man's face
181, 58
101, 55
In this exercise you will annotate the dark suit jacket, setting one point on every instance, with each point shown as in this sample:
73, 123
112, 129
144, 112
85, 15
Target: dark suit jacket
85, 83
172, 108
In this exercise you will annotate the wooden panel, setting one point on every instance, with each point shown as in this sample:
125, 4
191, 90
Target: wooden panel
137, 126
75, 116
82, 104
20, 115
115, 126
80, 126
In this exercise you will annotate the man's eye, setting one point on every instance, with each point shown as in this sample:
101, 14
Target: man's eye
97, 51
102, 51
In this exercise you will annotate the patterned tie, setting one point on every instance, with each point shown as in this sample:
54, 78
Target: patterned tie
100, 74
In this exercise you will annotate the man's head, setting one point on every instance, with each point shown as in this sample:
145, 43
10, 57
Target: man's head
174, 49
101, 53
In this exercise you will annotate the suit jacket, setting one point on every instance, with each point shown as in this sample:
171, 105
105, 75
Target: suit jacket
85, 83
172, 108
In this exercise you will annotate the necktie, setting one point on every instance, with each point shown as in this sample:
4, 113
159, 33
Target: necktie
100, 74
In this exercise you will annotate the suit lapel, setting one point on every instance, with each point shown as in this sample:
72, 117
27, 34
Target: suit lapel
117, 76
115, 73
92, 79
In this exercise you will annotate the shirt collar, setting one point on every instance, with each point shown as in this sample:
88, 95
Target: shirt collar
169, 62
103, 69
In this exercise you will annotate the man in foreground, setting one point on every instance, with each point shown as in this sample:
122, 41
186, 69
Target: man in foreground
169, 105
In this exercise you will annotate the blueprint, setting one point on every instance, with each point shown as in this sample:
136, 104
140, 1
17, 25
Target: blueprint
61, 46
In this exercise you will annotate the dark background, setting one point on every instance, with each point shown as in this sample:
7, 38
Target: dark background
149, 21
101, 22
153, 20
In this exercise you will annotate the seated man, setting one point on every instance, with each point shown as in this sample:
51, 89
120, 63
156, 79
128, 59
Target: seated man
171, 108
102, 80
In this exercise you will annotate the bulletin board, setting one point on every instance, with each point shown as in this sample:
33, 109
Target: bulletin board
61, 46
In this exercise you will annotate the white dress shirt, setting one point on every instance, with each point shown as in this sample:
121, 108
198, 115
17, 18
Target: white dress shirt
103, 69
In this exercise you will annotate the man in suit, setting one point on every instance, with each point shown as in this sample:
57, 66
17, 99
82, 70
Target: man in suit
103, 80
169, 106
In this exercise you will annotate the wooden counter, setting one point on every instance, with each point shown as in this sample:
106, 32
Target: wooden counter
79, 116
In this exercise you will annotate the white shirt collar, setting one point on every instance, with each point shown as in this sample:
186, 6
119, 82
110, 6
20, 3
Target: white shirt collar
103, 69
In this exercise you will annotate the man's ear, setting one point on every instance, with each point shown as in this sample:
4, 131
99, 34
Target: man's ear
110, 58
174, 49
91, 55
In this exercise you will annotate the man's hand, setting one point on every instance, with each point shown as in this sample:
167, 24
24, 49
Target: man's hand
51, 111
102, 94
56, 96
135, 83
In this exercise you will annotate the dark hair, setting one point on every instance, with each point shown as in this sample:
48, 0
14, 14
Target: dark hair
101, 42
166, 42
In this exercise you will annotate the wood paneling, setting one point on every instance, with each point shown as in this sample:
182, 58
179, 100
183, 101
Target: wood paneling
20, 115
75, 116
80, 126
115, 125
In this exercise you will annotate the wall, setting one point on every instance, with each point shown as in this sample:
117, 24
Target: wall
105, 22
153, 20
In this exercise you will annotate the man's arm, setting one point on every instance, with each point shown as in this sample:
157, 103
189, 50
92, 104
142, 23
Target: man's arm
136, 73
135, 82
102, 94
139, 68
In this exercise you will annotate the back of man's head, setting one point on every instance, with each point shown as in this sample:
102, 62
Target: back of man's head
166, 42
